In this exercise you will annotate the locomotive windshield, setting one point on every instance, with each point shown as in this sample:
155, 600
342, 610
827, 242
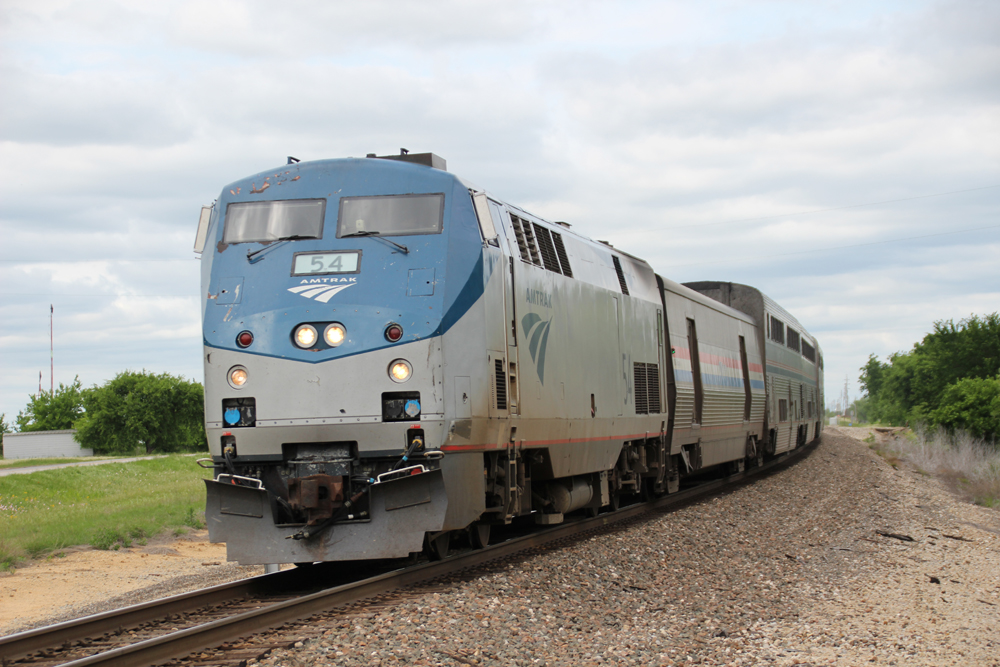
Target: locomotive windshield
263, 221
393, 215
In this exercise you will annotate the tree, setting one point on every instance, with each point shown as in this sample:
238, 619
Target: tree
143, 412
52, 410
971, 404
910, 386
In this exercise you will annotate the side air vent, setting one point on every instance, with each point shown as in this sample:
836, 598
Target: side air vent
647, 388
519, 235
563, 258
641, 394
541, 246
501, 385
621, 274
549, 256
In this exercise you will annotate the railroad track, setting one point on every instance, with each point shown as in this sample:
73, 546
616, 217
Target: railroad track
164, 630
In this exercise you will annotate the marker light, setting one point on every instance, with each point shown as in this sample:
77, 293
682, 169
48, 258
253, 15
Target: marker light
238, 377
334, 334
244, 339
400, 370
393, 333
305, 336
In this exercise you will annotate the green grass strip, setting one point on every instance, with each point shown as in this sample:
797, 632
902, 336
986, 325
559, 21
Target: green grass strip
107, 506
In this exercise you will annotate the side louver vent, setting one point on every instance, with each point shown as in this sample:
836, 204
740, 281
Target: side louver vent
563, 258
522, 243
501, 385
641, 394
548, 250
541, 246
621, 274
647, 388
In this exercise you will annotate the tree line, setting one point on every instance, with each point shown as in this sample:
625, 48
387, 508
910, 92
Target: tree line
132, 413
949, 379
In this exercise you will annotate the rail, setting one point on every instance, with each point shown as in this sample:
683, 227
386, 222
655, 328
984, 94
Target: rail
39, 646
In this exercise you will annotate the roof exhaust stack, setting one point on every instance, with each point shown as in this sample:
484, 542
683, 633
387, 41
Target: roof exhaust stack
425, 159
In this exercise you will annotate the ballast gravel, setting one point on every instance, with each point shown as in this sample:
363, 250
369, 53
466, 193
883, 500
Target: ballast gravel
807, 566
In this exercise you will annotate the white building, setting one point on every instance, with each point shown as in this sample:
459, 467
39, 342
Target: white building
42, 444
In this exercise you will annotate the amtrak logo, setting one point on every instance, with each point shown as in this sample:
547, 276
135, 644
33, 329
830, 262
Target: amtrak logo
321, 293
537, 333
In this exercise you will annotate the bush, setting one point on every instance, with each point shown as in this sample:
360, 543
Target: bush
971, 404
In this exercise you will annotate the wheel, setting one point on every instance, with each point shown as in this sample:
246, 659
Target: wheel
479, 534
437, 548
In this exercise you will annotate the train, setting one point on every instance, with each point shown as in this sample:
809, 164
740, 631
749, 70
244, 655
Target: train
395, 359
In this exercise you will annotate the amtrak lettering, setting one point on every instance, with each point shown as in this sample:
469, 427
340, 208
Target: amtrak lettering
538, 298
310, 281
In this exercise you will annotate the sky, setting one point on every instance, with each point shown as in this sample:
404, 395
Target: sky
843, 157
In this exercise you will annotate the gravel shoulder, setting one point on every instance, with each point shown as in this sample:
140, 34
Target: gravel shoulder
787, 570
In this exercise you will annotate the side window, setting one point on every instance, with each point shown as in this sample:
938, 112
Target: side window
777, 330
793, 339
782, 409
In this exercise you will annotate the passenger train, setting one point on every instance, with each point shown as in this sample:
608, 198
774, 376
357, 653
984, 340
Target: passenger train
394, 357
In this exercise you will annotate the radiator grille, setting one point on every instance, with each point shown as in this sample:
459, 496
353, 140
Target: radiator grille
647, 388
501, 385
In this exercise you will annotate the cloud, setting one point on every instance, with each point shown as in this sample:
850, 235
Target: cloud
664, 127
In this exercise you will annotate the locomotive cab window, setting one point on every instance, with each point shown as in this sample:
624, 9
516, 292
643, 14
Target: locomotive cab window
265, 221
390, 215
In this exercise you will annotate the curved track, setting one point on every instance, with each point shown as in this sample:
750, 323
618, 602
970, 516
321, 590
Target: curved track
151, 633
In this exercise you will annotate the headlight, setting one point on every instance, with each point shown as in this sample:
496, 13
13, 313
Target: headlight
238, 377
305, 336
334, 334
400, 370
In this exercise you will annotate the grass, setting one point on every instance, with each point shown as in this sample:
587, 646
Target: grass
29, 463
972, 466
110, 506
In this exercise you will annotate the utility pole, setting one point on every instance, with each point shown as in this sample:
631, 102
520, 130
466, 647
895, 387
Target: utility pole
52, 355
847, 399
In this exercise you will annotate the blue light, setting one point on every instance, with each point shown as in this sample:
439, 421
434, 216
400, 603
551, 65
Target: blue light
412, 408
232, 416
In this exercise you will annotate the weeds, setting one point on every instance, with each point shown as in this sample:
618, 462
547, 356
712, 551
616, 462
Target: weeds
194, 520
970, 465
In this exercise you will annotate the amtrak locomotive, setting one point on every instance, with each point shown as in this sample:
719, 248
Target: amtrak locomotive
394, 357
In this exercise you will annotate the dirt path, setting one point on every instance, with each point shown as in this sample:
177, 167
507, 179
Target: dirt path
86, 581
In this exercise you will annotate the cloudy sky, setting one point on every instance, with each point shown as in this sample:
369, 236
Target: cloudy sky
844, 157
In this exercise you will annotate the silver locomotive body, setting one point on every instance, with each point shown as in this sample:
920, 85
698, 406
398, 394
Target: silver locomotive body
535, 372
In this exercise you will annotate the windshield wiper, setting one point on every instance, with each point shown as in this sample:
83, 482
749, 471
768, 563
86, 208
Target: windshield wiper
406, 251
274, 244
